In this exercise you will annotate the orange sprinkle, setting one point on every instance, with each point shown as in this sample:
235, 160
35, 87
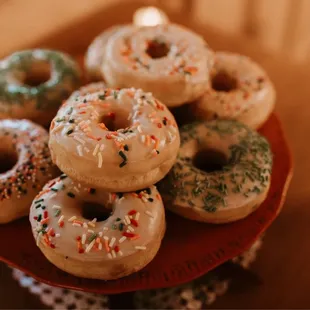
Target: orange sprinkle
130, 93
98, 240
82, 112
113, 196
42, 193
61, 224
52, 125
78, 222
89, 135
135, 237
103, 126
191, 69
134, 194
158, 197
44, 221
106, 246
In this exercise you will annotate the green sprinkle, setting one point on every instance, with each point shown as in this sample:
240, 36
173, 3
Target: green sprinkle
121, 226
54, 189
62, 177
69, 132
84, 101
71, 121
122, 154
101, 97
38, 206
40, 200
57, 212
60, 119
126, 147
118, 219
150, 199
70, 111
92, 237
113, 226
122, 164
71, 195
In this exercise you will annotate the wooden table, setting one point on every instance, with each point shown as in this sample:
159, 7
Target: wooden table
283, 263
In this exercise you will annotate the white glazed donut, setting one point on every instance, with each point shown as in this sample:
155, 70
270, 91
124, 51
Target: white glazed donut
95, 51
116, 140
123, 243
169, 60
229, 193
26, 143
239, 89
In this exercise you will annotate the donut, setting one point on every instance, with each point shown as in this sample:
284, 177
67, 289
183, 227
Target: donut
116, 140
26, 166
222, 172
81, 244
94, 54
239, 89
169, 60
33, 84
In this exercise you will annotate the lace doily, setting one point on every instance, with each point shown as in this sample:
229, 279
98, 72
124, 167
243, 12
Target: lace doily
197, 294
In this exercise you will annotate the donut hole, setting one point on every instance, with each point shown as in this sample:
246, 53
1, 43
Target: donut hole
91, 210
223, 81
210, 160
8, 159
157, 49
39, 73
115, 121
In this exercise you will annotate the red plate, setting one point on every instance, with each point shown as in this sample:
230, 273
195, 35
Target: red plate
188, 251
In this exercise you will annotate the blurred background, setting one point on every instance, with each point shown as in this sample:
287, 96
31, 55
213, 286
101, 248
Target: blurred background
277, 25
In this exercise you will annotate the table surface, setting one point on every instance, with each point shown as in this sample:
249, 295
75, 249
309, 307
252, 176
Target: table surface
283, 262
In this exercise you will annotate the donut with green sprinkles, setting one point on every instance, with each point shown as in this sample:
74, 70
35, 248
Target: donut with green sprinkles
26, 165
222, 172
90, 233
33, 84
116, 140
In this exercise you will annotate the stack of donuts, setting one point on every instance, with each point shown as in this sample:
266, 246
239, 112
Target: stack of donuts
116, 141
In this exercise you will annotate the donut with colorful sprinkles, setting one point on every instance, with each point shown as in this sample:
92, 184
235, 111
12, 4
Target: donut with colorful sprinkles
33, 84
239, 89
168, 60
230, 189
85, 246
26, 166
116, 140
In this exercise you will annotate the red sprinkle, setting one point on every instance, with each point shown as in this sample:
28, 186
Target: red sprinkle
52, 184
132, 212
45, 214
116, 249
52, 246
129, 235
134, 222
78, 238
81, 251
159, 125
35, 217
61, 224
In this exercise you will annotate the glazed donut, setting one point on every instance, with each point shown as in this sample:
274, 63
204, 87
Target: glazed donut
123, 243
94, 54
170, 61
116, 140
237, 186
239, 89
33, 84
25, 166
